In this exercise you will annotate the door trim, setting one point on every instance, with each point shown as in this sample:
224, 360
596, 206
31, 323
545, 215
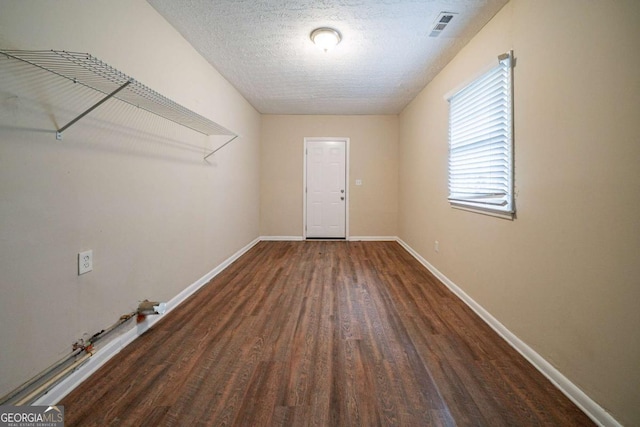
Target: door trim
304, 182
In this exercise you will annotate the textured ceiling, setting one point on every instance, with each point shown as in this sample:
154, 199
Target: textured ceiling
385, 58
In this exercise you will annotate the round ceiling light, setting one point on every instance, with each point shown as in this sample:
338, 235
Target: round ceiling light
325, 37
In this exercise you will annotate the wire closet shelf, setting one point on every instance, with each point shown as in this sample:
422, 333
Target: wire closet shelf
89, 71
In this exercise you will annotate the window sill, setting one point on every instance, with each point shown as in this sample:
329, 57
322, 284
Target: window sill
498, 214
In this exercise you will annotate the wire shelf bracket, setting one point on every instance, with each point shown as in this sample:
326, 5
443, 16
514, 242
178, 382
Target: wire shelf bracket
90, 109
216, 150
89, 71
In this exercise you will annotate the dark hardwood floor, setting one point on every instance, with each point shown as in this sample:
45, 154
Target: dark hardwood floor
321, 333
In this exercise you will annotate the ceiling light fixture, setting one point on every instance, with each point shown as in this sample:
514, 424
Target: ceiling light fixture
325, 38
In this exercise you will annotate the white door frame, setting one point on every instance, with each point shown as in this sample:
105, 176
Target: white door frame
304, 182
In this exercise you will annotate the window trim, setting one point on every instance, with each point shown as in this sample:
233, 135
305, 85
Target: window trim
505, 63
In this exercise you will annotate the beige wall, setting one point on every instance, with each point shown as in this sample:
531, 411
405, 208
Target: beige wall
373, 158
564, 276
130, 186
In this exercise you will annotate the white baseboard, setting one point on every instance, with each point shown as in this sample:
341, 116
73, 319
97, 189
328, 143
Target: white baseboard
372, 238
113, 347
596, 412
281, 238
350, 238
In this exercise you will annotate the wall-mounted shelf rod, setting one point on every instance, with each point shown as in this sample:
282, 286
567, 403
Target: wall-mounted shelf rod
88, 71
90, 109
214, 151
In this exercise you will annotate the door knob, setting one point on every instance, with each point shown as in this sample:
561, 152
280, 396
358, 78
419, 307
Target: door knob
341, 198
342, 191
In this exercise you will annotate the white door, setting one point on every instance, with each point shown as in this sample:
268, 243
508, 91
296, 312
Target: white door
326, 189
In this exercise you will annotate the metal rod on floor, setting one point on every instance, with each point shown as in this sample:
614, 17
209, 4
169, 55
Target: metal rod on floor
38, 391
6, 399
54, 378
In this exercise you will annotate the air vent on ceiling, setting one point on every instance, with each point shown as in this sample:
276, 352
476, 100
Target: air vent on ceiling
441, 22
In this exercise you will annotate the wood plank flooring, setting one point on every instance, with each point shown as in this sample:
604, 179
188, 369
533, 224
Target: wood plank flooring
321, 333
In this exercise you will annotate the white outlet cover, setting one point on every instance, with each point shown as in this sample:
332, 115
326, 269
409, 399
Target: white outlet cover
358, 182
85, 262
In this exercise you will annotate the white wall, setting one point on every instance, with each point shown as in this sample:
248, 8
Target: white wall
129, 185
563, 276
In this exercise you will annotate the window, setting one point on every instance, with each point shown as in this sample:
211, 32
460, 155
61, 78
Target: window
481, 143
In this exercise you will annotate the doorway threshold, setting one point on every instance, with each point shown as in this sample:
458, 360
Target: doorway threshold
326, 238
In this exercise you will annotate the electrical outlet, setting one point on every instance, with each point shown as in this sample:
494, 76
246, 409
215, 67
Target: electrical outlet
436, 246
85, 262
358, 182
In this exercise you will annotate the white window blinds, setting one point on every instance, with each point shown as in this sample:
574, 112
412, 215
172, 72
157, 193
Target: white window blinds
481, 143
